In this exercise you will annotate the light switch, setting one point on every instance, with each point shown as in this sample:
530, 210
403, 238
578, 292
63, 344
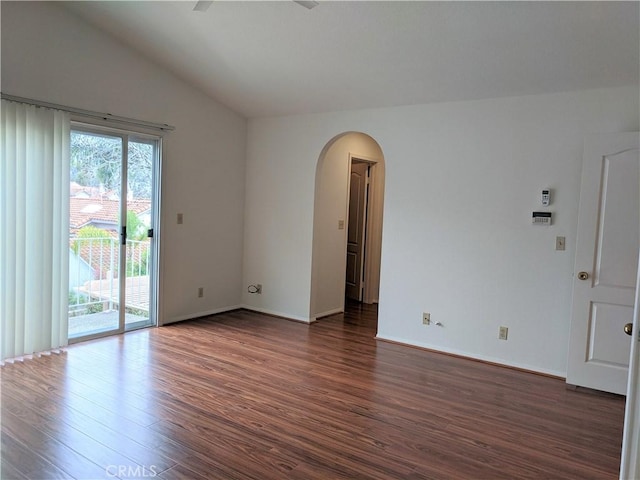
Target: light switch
340, 224
179, 219
560, 243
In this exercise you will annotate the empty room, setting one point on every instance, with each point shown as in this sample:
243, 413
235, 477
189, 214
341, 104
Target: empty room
319, 240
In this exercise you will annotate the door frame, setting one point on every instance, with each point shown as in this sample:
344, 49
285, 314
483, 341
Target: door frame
328, 245
81, 125
372, 237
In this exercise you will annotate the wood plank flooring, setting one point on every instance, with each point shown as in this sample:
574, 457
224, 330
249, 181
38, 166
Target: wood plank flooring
246, 396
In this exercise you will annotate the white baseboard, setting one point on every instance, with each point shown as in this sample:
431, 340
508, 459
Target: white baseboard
206, 313
474, 356
286, 316
328, 312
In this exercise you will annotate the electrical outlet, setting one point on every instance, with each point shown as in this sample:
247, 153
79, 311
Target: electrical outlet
503, 333
259, 289
179, 219
200, 292
560, 243
340, 224
426, 318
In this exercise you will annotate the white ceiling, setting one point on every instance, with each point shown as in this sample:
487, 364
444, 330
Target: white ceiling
276, 57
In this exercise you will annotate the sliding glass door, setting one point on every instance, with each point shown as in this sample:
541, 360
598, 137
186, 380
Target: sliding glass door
113, 210
138, 289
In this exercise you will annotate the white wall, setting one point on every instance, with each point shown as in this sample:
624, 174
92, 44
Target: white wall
461, 182
50, 55
330, 206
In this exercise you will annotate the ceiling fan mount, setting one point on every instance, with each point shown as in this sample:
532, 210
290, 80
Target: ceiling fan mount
203, 5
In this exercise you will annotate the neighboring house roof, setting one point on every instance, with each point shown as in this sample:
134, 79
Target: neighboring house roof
87, 211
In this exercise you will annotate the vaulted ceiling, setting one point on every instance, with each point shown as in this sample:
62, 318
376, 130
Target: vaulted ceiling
265, 58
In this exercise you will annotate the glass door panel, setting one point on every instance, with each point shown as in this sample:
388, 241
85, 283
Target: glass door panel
141, 158
94, 244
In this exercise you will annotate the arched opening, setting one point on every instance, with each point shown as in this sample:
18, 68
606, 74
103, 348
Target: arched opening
350, 168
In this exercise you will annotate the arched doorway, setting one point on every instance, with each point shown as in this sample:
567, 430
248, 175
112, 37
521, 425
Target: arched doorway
331, 221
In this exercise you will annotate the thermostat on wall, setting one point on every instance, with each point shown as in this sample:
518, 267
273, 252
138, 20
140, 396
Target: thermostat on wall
541, 218
546, 197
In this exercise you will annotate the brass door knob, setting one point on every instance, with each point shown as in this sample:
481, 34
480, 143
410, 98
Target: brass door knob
583, 275
628, 328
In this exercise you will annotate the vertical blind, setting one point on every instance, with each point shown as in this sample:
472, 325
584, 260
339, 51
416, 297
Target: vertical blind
34, 229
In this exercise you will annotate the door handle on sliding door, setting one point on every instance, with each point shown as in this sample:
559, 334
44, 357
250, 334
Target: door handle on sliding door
123, 235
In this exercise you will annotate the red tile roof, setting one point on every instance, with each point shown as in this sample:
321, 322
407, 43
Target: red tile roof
85, 211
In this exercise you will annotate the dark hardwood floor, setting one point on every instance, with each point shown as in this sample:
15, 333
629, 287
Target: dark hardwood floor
246, 396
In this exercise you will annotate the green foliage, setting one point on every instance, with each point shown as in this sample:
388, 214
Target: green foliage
87, 233
136, 228
137, 312
137, 266
96, 161
78, 304
137, 257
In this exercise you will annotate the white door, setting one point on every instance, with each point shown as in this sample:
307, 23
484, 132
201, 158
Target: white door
606, 264
355, 231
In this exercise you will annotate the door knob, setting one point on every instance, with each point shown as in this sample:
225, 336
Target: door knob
583, 275
628, 328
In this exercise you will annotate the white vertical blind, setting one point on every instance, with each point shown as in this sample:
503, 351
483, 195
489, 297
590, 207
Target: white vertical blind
34, 229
